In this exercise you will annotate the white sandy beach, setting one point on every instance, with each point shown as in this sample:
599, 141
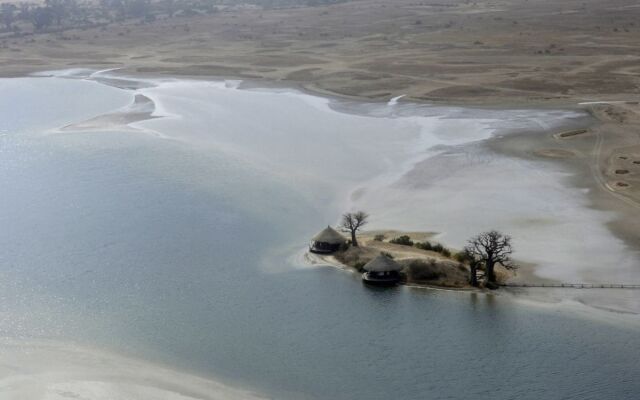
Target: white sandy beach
47, 370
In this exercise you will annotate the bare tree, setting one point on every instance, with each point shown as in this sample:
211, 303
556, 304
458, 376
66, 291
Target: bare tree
351, 222
491, 248
474, 262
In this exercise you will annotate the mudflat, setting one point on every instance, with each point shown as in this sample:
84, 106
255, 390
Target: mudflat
502, 53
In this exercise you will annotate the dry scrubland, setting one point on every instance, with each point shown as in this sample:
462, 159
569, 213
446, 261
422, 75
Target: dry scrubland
501, 52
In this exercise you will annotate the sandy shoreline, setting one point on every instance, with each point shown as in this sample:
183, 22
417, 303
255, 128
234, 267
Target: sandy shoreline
39, 369
585, 303
570, 153
592, 157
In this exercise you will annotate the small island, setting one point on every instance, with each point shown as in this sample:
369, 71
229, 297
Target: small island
389, 257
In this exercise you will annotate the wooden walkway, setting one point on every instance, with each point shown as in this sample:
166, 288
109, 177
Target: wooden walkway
573, 285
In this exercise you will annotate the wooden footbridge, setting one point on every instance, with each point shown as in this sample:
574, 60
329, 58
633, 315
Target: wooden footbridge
573, 285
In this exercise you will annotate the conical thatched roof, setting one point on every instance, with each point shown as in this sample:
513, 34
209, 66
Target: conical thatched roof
382, 264
329, 235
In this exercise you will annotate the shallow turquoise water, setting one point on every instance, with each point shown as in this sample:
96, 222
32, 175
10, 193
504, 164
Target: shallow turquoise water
178, 252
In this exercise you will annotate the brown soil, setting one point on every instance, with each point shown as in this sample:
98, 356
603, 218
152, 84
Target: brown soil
497, 52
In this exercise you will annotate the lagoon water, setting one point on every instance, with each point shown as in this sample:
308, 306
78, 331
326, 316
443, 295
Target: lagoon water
178, 240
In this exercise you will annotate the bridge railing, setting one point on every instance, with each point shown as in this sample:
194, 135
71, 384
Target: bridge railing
574, 285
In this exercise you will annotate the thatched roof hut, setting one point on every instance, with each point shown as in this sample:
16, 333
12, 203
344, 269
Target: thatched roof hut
382, 263
381, 271
329, 235
327, 241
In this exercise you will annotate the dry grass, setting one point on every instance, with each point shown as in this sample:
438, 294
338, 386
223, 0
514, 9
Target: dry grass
419, 266
495, 51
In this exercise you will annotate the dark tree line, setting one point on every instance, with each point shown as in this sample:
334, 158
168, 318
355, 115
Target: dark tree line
71, 13
75, 13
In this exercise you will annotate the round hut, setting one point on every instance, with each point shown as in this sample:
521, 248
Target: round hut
326, 241
382, 271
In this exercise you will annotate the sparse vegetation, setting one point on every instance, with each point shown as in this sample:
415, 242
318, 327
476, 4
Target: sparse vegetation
417, 267
403, 240
483, 253
419, 270
433, 272
59, 15
426, 245
437, 247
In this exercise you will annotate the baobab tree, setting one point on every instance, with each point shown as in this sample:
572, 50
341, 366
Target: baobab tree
491, 248
352, 222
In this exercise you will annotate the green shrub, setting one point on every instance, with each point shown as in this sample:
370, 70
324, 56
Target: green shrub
438, 248
461, 257
402, 240
379, 238
388, 255
423, 271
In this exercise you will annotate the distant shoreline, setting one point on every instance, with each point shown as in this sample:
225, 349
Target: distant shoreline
249, 81
464, 53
